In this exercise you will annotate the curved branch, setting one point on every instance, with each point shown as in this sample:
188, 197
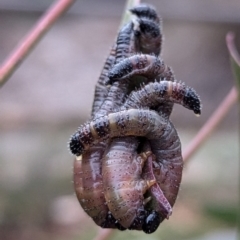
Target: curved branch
32, 38
211, 124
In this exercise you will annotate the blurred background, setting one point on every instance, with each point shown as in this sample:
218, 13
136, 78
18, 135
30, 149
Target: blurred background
51, 94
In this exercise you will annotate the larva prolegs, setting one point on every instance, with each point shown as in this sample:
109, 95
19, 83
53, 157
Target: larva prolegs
132, 122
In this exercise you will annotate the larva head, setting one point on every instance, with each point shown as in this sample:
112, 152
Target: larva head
149, 28
152, 222
145, 11
75, 146
149, 36
192, 101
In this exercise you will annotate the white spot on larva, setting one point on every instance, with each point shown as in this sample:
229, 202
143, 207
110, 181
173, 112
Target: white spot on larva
79, 158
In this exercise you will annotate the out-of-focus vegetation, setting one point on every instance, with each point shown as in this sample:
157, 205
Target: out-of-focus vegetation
51, 95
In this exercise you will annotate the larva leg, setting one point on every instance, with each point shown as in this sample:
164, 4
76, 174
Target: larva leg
156, 94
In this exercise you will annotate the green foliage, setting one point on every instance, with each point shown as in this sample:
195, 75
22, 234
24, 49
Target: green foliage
236, 72
225, 213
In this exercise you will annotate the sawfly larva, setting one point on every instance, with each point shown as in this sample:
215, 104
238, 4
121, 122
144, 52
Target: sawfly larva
146, 65
161, 134
88, 181
154, 94
87, 178
101, 89
132, 122
123, 187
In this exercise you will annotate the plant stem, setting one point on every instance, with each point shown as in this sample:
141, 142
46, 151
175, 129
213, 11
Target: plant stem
230, 38
32, 38
211, 124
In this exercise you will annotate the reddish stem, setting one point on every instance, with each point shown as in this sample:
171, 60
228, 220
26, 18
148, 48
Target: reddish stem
230, 38
211, 124
31, 39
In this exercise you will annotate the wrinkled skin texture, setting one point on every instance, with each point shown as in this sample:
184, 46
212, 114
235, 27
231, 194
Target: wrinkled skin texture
140, 205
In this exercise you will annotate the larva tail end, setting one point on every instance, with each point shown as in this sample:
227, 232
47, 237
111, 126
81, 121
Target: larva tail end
152, 222
75, 146
192, 101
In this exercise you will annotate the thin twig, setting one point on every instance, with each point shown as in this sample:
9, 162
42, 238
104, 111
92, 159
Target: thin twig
31, 39
230, 38
211, 124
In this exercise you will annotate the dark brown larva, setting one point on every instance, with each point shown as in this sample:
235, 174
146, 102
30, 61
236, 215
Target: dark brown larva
152, 67
88, 181
146, 65
154, 94
148, 218
101, 89
88, 186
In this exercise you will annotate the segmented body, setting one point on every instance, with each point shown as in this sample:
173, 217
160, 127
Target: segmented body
143, 35
169, 164
151, 96
88, 186
132, 122
123, 186
101, 89
88, 181
154, 94
106, 100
